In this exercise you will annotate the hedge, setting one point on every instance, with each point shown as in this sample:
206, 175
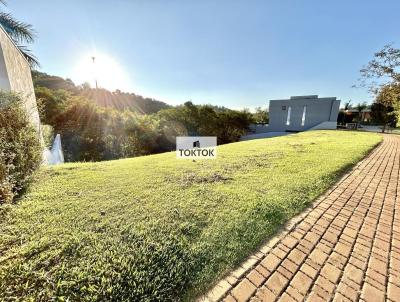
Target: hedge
20, 147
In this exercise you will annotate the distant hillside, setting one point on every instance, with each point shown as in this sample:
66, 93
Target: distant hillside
117, 99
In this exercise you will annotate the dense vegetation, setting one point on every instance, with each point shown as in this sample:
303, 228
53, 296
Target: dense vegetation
20, 149
155, 228
96, 124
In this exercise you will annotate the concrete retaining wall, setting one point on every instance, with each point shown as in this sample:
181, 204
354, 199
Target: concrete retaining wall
15, 75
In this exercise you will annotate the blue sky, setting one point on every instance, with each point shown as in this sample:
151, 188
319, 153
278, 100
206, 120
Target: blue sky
232, 53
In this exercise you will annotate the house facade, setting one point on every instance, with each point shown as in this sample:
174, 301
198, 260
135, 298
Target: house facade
300, 113
15, 75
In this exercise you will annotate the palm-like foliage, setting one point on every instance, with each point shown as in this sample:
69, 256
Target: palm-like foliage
20, 32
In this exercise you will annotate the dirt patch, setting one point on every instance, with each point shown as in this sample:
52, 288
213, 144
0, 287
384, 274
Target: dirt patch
193, 178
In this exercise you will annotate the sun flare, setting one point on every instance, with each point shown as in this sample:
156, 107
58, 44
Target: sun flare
103, 69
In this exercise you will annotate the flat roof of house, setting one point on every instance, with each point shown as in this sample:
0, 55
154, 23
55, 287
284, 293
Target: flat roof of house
355, 110
307, 97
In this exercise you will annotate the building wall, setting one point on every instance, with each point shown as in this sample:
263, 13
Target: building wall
318, 110
15, 75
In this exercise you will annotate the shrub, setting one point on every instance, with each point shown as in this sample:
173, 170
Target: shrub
20, 148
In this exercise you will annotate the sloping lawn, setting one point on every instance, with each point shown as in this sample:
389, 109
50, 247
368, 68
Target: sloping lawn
157, 228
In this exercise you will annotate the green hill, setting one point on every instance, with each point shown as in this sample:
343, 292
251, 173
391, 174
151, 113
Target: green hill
117, 99
156, 228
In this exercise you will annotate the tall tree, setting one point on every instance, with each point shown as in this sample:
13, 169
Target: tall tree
389, 100
382, 77
20, 32
382, 70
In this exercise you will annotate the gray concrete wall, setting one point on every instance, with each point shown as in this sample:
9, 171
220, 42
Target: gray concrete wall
15, 75
4, 82
318, 110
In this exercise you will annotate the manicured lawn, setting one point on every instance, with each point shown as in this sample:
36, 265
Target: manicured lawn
157, 228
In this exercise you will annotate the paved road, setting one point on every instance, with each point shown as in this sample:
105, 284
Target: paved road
345, 248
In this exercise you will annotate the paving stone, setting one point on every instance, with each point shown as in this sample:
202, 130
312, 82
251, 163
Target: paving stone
318, 256
290, 265
325, 284
279, 252
321, 292
340, 298
376, 279
301, 282
294, 293
331, 273
313, 297
394, 292
307, 245
312, 237
377, 265
265, 295
337, 259
263, 271
331, 237
324, 246
297, 256
243, 291
256, 278
343, 248
348, 291
350, 232
289, 241
358, 263
270, 262
229, 299
353, 273
286, 298
276, 283
309, 270
372, 294
285, 272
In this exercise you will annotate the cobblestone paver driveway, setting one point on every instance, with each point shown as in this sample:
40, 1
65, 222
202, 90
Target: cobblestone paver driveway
345, 248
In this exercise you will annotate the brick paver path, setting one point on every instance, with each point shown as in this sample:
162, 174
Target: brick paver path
345, 248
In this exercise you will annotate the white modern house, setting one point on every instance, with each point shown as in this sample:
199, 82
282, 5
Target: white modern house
300, 113
15, 75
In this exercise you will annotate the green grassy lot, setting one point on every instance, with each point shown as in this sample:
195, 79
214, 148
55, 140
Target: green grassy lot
158, 228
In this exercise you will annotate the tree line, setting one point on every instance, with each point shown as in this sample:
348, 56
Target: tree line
94, 129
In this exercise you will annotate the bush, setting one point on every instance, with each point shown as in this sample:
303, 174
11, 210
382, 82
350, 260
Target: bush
20, 148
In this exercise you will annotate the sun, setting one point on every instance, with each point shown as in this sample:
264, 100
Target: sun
102, 69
